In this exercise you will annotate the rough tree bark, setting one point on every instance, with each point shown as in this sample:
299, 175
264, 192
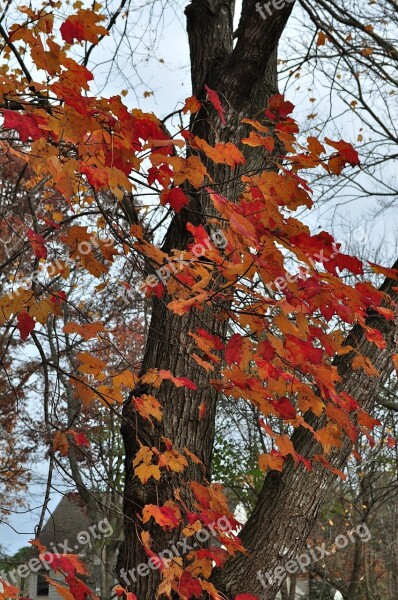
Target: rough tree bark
244, 74
216, 63
289, 501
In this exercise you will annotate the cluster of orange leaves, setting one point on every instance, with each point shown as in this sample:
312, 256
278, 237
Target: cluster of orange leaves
281, 357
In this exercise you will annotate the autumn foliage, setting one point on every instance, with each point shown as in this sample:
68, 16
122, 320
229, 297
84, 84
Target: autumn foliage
278, 284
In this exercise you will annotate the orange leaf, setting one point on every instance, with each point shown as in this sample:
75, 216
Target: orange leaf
390, 273
365, 363
173, 460
227, 153
273, 461
192, 105
148, 406
60, 443
165, 516
83, 26
90, 364
188, 169
61, 589
255, 140
38, 545
87, 331
8, 591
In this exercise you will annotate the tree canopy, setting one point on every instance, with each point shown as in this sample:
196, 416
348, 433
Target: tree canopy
153, 272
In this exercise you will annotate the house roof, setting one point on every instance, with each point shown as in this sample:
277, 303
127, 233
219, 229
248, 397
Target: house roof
69, 518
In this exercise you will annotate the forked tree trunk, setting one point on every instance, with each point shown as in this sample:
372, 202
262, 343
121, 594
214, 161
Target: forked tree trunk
244, 75
288, 503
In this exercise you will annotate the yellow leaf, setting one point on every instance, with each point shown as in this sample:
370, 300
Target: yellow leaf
13, 303
144, 469
90, 364
148, 406
191, 169
192, 529
110, 394
125, 378
41, 310
172, 459
152, 378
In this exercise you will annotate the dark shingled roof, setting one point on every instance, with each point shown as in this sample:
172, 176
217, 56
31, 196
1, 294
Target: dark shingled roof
65, 523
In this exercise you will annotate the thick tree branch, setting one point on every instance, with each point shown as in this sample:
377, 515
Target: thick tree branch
289, 501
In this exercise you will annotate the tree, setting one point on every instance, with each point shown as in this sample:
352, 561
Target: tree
232, 314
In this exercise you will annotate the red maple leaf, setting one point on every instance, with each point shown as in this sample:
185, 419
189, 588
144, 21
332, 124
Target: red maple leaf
26, 125
219, 555
80, 439
189, 586
215, 341
184, 382
96, 177
234, 350
284, 408
215, 100
278, 108
38, 243
25, 324
346, 151
175, 197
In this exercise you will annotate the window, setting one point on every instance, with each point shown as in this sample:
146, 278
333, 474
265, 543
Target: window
42, 585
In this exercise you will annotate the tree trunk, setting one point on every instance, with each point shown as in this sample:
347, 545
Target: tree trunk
244, 75
288, 503
216, 63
